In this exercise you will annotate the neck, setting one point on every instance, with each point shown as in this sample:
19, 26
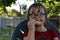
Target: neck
41, 28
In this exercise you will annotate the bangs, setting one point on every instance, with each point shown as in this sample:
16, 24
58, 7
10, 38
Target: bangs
37, 9
34, 9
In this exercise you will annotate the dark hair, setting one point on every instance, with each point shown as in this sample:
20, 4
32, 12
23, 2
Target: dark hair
37, 6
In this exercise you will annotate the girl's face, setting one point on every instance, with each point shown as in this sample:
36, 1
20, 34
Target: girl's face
38, 16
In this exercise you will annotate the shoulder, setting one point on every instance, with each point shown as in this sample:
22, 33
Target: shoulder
53, 32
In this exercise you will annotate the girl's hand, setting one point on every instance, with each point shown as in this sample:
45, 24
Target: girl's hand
31, 24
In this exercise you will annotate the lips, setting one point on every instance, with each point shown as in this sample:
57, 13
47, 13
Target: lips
39, 20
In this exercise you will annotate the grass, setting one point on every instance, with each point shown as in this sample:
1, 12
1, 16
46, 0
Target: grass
5, 38
4, 31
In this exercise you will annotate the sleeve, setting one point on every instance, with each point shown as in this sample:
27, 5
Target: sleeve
25, 34
54, 33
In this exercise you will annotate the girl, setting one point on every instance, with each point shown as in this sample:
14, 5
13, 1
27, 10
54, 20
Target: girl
37, 28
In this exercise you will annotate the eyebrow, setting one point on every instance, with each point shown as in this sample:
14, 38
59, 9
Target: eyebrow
42, 10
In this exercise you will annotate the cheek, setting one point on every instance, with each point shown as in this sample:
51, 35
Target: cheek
44, 18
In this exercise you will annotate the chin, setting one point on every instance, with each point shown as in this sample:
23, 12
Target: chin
39, 23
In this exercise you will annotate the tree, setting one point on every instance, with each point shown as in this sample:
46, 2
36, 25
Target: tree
5, 3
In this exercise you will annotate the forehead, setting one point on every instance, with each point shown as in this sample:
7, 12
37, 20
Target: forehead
36, 10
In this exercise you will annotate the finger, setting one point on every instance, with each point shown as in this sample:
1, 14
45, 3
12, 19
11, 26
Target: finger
30, 18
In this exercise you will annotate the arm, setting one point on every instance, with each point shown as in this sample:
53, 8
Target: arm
56, 38
31, 31
30, 36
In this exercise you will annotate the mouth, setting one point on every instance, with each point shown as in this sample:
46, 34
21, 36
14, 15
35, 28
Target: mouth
39, 20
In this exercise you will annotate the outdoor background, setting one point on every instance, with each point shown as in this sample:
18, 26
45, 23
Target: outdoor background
12, 12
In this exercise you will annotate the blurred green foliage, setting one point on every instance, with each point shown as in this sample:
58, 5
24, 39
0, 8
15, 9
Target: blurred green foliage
52, 6
4, 3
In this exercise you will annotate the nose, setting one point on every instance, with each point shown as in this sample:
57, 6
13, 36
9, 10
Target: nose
38, 18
